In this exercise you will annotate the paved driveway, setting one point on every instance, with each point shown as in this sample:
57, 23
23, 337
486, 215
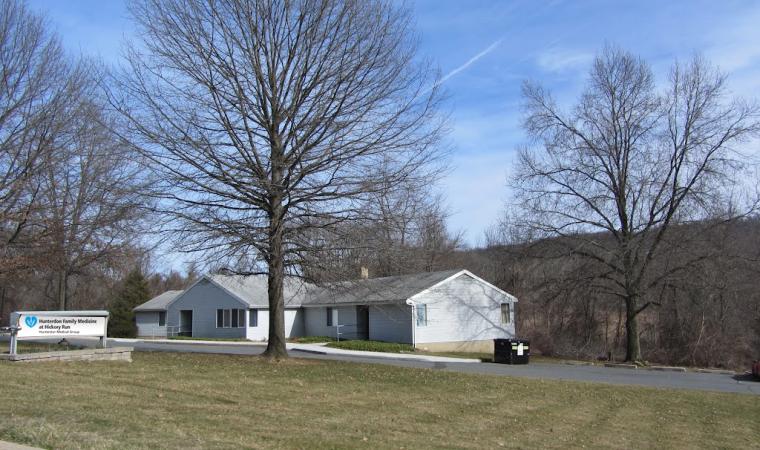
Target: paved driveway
594, 374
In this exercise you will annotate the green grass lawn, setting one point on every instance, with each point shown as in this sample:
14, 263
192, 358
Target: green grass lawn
311, 339
373, 346
177, 401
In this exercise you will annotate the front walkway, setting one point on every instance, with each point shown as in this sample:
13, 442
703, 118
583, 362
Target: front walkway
323, 349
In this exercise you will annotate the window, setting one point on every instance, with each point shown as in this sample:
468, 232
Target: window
506, 313
162, 319
329, 317
253, 318
230, 318
421, 315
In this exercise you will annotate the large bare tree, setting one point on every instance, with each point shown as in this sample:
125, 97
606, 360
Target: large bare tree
37, 88
268, 119
93, 200
613, 176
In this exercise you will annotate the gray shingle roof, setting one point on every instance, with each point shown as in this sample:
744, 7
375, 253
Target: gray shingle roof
159, 302
253, 290
376, 290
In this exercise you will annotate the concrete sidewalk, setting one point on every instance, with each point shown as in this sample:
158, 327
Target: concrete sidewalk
12, 446
322, 349
185, 341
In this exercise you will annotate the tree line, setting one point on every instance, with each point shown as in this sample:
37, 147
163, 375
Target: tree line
307, 138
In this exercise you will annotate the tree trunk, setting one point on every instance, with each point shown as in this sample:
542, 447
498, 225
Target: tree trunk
63, 281
276, 272
276, 344
632, 347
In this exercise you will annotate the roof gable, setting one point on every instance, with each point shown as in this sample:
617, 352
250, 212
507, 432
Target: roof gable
469, 274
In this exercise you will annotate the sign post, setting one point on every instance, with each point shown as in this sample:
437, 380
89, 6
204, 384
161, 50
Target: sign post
57, 324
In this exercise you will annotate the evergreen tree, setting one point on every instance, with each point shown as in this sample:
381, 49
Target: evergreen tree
133, 292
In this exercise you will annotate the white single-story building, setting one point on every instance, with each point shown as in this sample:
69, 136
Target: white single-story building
438, 311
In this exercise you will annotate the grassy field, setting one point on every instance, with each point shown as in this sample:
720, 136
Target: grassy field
175, 401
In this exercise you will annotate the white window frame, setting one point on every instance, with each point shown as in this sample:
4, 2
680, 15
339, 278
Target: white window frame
253, 314
227, 314
506, 313
160, 313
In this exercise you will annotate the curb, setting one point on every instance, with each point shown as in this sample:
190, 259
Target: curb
621, 366
220, 343
718, 371
315, 352
666, 368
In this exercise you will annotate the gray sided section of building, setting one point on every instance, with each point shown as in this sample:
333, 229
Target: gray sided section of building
203, 299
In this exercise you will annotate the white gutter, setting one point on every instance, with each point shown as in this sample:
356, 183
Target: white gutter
414, 323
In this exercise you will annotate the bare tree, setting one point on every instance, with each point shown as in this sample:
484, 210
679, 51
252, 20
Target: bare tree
37, 89
401, 232
269, 119
93, 200
615, 175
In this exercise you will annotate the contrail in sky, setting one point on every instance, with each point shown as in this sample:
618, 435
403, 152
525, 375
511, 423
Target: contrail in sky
469, 62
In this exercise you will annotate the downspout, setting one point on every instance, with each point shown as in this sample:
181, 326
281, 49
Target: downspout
414, 324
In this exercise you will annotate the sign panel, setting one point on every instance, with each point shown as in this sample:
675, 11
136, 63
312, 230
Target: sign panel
42, 325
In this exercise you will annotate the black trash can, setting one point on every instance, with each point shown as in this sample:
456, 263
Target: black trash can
511, 351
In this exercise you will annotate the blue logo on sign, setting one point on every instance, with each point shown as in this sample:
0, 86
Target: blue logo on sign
31, 321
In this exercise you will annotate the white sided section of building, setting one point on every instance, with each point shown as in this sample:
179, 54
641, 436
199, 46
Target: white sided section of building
437, 311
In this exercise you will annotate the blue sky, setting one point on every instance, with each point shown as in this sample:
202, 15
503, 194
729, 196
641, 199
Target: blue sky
485, 49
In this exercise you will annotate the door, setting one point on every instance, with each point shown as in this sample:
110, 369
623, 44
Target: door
362, 322
186, 322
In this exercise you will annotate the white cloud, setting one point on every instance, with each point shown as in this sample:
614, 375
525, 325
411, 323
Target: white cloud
469, 62
561, 60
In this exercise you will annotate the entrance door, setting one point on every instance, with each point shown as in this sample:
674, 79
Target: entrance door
186, 322
362, 322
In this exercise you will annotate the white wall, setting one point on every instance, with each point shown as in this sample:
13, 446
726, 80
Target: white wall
293, 325
463, 309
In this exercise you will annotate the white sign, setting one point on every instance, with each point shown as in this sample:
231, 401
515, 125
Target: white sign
41, 325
